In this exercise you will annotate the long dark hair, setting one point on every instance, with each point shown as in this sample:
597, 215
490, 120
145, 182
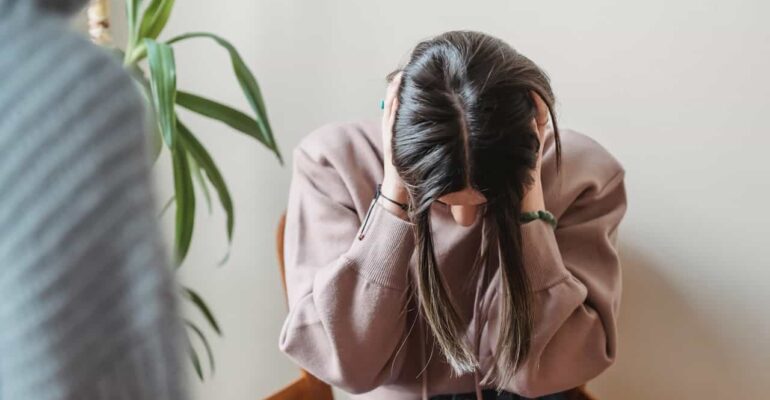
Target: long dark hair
464, 120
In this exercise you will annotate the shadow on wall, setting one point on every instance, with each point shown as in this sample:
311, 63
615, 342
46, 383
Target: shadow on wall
666, 349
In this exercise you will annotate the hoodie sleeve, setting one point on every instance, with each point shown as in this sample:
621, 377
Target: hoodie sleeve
346, 281
576, 281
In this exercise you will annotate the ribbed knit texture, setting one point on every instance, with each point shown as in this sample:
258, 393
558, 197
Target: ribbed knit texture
353, 319
382, 256
87, 299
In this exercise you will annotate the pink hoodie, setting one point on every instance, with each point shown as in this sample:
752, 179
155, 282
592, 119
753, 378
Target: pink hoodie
353, 320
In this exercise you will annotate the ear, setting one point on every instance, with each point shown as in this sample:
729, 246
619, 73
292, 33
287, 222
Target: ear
542, 109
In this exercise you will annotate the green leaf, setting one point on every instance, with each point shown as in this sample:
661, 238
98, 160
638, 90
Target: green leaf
155, 18
230, 116
196, 362
205, 341
204, 309
196, 171
156, 140
224, 259
185, 201
248, 84
166, 206
155, 137
132, 14
202, 156
137, 54
163, 87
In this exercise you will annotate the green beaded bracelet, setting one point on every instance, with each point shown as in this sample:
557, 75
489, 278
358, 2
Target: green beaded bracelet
541, 214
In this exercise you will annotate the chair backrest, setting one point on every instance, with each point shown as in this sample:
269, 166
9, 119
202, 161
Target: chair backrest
279, 251
309, 387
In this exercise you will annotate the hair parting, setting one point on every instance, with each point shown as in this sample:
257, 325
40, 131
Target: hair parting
464, 120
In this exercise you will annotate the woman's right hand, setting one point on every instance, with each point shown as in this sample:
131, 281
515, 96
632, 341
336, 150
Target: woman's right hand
534, 199
392, 185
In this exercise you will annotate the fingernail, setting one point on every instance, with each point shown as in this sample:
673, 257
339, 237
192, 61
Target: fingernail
382, 104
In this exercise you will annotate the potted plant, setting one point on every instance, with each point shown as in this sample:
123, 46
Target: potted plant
190, 159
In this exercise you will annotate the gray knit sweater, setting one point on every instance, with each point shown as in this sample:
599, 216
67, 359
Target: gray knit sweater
87, 301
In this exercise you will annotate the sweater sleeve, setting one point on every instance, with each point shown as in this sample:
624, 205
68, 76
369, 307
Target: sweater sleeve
576, 281
89, 307
346, 281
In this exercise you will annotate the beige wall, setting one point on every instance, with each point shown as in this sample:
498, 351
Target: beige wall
678, 91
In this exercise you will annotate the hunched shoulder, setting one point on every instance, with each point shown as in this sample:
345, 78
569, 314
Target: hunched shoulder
335, 137
584, 154
353, 149
348, 145
347, 154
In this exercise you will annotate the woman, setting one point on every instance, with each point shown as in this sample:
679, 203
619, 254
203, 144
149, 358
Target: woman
440, 284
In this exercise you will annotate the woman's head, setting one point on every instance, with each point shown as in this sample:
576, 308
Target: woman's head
463, 135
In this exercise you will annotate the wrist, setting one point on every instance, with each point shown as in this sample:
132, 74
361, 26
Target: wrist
534, 199
393, 209
394, 190
545, 215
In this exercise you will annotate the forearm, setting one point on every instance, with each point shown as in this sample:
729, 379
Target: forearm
534, 199
577, 289
393, 189
574, 324
353, 303
345, 316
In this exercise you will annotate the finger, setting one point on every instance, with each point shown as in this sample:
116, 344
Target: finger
390, 99
392, 114
542, 113
387, 102
392, 90
540, 132
537, 128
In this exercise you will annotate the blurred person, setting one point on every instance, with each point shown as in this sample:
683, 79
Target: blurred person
87, 300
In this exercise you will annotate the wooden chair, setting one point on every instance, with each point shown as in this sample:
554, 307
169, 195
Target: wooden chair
308, 387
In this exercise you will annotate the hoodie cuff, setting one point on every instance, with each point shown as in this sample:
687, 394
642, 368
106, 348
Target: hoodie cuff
542, 257
383, 247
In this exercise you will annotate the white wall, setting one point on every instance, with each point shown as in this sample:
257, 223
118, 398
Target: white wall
676, 90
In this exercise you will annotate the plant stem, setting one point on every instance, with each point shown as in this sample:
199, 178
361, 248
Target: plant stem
135, 54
